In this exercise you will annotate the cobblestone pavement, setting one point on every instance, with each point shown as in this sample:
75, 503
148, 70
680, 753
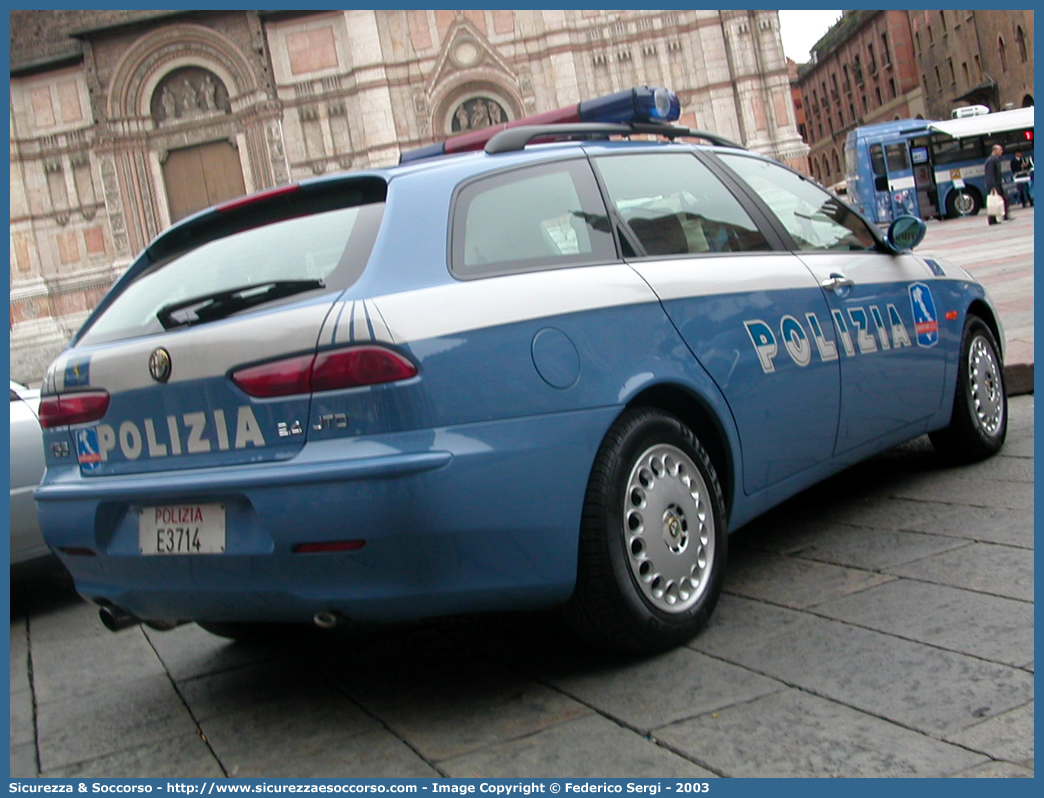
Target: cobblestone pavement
880, 624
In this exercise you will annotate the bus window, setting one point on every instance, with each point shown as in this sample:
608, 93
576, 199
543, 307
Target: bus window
851, 160
947, 150
877, 163
898, 161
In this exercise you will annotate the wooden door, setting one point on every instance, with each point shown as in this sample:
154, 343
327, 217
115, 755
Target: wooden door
198, 177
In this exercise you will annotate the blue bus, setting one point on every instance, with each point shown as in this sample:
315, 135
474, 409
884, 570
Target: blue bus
930, 169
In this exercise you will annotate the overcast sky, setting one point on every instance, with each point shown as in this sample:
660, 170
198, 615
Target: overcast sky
802, 29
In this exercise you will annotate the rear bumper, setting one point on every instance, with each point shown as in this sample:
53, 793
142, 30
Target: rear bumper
480, 517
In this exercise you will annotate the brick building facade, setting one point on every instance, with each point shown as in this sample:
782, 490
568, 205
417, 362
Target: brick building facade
122, 122
974, 58
863, 71
877, 66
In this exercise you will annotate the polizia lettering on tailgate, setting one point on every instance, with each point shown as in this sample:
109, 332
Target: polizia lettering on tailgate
190, 433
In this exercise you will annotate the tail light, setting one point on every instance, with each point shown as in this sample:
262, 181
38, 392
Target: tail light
327, 371
73, 408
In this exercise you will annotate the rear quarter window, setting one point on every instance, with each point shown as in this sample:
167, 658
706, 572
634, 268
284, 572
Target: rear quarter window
538, 217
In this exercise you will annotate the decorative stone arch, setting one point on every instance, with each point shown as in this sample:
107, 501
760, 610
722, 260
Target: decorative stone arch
149, 60
483, 100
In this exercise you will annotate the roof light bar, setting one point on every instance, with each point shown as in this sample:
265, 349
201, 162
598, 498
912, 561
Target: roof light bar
642, 104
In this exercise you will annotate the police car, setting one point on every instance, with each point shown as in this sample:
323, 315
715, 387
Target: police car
543, 364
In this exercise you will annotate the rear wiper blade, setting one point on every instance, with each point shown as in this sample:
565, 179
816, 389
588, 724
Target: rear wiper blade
218, 305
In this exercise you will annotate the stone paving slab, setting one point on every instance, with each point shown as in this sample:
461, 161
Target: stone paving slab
979, 492
985, 567
995, 770
474, 708
645, 694
101, 663
19, 652
802, 742
1001, 525
794, 581
103, 723
184, 756
909, 683
250, 686
591, 747
964, 621
189, 651
23, 729
1008, 736
1022, 447
321, 735
872, 549
23, 761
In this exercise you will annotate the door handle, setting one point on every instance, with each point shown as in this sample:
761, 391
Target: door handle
837, 283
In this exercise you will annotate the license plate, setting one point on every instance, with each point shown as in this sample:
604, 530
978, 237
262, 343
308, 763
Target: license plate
182, 529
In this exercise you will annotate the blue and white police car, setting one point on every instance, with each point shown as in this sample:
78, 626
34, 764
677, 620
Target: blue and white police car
541, 364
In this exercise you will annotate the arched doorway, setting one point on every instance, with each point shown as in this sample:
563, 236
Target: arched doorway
190, 99
201, 176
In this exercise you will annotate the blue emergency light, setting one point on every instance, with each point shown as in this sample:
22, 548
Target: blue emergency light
640, 105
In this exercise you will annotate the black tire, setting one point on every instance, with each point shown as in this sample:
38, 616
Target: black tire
652, 540
979, 422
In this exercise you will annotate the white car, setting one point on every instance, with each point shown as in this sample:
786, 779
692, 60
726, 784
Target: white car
27, 467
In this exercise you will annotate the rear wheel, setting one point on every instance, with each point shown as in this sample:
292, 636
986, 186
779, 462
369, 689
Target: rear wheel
652, 543
979, 422
963, 203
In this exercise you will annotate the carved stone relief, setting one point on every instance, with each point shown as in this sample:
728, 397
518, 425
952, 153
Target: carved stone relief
477, 113
189, 93
277, 153
113, 205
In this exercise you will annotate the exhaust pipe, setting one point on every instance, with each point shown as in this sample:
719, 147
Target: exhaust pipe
116, 619
327, 620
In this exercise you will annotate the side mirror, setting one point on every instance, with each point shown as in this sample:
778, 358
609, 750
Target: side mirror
905, 233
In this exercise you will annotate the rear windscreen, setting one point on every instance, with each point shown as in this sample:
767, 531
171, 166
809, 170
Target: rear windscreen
316, 252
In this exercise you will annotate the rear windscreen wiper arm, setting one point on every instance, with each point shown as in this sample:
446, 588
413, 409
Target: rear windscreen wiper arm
220, 304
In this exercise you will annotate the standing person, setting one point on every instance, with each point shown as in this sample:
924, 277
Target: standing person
1022, 169
994, 184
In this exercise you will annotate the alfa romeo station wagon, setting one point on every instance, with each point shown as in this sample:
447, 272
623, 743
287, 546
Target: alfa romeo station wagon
542, 364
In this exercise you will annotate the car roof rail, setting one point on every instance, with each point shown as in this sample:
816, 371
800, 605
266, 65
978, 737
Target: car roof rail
513, 139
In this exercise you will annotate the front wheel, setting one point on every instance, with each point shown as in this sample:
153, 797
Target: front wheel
979, 422
653, 538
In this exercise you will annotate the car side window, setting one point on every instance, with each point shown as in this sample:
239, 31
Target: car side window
815, 219
675, 205
539, 217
